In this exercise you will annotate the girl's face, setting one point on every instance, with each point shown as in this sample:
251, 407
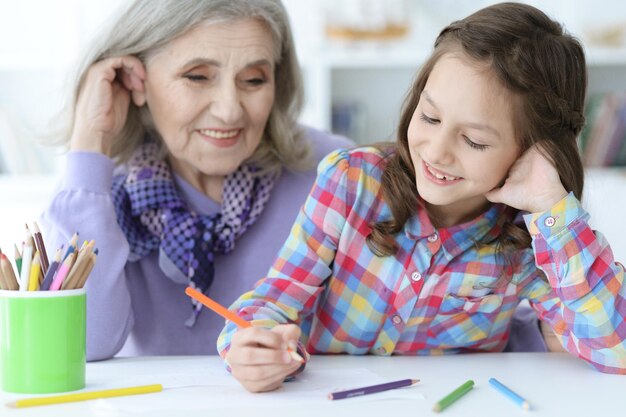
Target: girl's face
210, 93
461, 138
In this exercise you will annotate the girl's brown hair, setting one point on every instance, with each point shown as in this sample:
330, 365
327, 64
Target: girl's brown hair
543, 67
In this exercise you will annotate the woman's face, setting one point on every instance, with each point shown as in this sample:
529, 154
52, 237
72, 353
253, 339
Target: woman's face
461, 138
210, 93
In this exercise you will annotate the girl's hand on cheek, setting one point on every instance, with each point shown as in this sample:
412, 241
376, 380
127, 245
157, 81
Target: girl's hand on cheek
533, 184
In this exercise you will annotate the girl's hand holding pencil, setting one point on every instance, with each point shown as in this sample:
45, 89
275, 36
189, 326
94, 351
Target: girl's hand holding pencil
68, 270
259, 358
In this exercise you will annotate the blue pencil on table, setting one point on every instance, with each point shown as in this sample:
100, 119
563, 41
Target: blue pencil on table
509, 393
357, 392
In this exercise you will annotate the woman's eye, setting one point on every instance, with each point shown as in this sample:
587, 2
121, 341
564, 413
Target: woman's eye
475, 145
428, 120
255, 81
195, 77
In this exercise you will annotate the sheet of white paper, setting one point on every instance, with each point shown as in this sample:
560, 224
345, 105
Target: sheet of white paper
219, 390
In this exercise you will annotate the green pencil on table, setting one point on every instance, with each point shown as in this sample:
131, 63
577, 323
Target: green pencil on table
446, 401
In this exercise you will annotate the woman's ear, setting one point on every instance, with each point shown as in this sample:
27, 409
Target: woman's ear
139, 97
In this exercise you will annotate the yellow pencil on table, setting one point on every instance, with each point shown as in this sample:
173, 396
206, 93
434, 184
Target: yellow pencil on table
229, 315
84, 396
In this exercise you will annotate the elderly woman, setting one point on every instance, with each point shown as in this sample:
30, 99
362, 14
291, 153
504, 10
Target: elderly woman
186, 166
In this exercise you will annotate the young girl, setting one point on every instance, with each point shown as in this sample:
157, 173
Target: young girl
427, 246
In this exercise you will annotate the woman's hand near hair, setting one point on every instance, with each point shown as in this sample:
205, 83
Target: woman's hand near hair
258, 357
532, 185
103, 100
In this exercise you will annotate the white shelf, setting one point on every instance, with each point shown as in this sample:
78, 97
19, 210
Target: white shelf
375, 77
606, 57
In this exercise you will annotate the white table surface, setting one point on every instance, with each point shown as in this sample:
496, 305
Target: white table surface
555, 384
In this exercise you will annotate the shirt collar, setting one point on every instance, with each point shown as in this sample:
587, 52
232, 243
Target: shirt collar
458, 238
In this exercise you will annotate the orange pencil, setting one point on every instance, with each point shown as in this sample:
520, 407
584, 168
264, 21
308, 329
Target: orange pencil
227, 314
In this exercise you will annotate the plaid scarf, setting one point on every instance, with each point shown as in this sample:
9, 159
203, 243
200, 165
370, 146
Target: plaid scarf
152, 215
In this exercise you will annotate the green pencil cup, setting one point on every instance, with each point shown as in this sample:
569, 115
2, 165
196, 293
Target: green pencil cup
42, 341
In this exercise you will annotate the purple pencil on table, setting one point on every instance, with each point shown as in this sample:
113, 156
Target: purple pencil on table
372, 389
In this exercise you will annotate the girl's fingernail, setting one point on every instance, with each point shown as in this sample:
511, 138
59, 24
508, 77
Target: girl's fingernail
286, 357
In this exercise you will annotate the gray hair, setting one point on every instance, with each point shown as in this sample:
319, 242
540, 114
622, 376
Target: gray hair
146, 26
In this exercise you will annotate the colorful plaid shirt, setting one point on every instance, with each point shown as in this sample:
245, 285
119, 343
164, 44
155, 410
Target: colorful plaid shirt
446, 290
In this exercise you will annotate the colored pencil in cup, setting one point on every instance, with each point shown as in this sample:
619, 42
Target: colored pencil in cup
27, 259
84, 396
228, 315
372, 389
47, 279
3, 283
517, 399
90, 264
9, 275
71, 247
79, 267
446, 401
35, 273
62, 272
18, 260
41, 247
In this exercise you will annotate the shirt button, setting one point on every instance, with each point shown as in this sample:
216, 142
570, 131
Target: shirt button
549, 221
416, 276
396, 319
433, 237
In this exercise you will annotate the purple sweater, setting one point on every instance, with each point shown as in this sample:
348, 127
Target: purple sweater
132, 307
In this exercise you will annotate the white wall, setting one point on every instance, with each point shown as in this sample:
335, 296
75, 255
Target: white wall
41, 39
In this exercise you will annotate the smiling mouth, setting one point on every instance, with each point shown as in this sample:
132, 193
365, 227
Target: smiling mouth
220, 134
439, 176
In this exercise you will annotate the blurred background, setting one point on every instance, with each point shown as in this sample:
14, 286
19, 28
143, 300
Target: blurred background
358, 58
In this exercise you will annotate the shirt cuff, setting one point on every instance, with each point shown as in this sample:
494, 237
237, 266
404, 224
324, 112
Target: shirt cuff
552, 221
92, 171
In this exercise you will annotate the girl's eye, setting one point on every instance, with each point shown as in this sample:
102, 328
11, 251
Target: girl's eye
475, 145
428, 120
